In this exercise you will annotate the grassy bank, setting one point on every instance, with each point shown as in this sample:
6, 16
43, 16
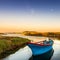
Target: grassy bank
9, 45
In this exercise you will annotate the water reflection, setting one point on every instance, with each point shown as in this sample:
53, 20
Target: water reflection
56, 46
22, 54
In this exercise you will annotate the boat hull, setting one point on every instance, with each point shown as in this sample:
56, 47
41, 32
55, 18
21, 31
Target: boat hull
45, 56
38, 50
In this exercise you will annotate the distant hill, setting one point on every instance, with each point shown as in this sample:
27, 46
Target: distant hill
45, 34
32, 33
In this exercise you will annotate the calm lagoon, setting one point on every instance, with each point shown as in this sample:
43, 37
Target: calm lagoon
26, 53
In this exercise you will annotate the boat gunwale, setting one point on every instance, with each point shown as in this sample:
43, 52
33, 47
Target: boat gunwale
39, 44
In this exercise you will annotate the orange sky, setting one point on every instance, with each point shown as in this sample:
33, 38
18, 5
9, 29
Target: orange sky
10, 29
29, 15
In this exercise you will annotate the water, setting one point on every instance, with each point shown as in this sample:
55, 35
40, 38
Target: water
25, 53
22, 54
56, 46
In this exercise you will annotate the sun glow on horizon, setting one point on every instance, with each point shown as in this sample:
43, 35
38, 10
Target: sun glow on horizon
30, 15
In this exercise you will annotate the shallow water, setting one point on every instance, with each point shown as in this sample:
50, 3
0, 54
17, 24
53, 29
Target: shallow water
25, 53
22, 54
56, 46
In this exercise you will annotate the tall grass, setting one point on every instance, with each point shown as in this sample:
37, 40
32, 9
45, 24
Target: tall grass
10, 44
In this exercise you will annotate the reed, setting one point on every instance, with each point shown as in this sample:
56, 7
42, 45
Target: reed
10, 45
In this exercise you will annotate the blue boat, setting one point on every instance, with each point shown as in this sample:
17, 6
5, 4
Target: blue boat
45, 56
41, 47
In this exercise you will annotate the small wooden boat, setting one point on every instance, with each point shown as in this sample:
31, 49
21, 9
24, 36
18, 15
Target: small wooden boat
45, 56
41, 47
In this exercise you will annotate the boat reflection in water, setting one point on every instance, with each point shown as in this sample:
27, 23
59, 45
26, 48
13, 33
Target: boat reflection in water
45, 56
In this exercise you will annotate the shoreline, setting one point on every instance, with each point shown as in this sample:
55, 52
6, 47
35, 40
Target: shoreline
8, 47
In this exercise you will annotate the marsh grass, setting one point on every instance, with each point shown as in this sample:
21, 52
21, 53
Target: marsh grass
9, 45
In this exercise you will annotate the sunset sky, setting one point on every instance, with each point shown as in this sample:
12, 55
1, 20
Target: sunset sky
31, 15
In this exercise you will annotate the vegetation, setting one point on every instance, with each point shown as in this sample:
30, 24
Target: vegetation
32, 33
9, 45
46, 34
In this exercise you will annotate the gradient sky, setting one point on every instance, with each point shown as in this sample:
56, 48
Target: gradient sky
32, 15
